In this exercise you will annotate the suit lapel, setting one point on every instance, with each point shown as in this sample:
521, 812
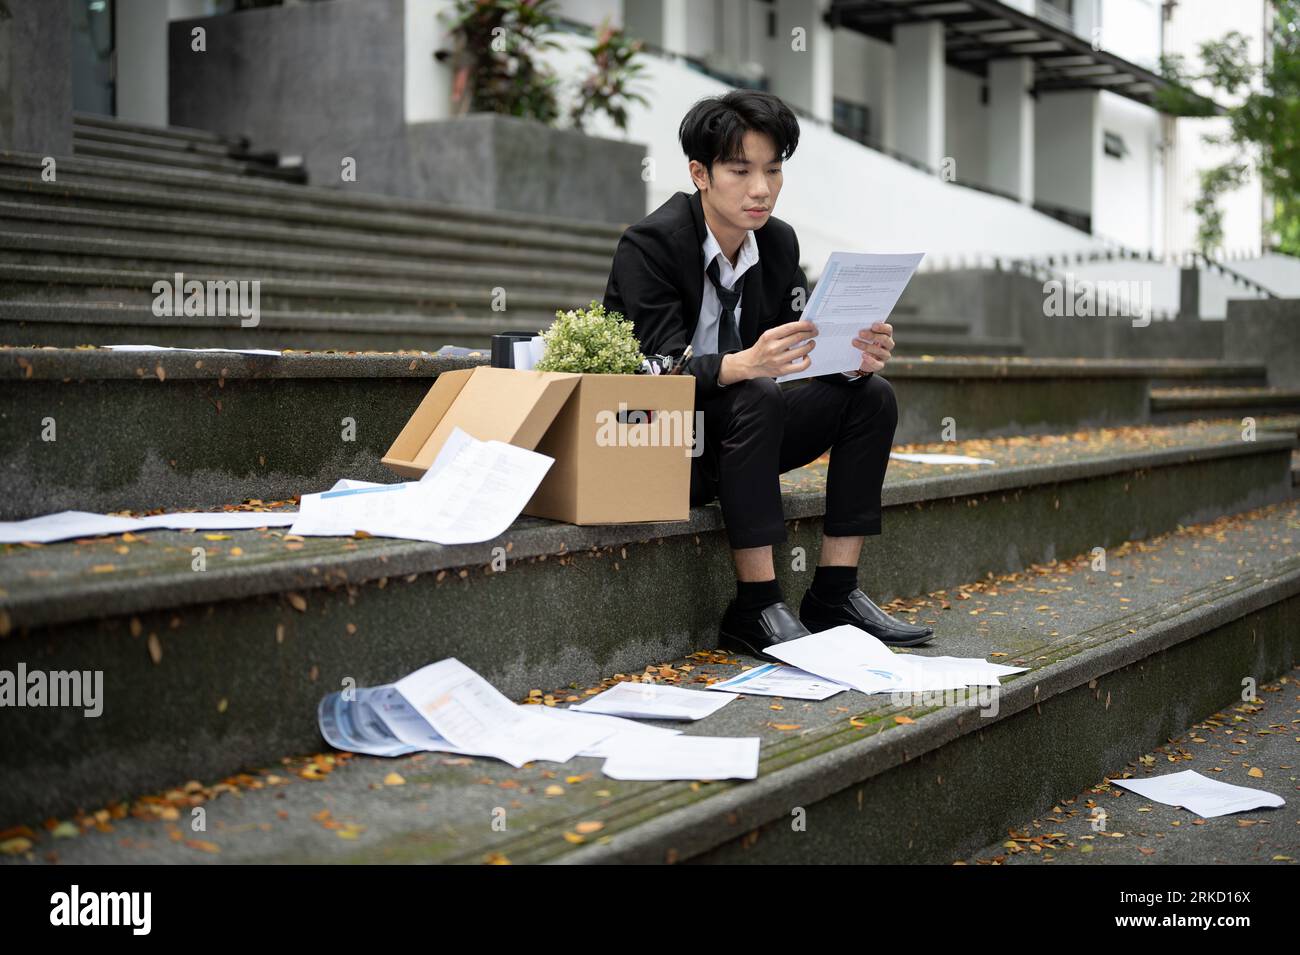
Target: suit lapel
692, 264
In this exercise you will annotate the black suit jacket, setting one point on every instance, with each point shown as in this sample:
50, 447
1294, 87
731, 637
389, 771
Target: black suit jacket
657, 281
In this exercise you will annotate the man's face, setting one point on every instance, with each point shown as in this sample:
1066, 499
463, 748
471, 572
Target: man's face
751, 182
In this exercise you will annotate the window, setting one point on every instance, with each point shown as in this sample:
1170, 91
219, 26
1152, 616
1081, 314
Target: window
1113, 145
851, 119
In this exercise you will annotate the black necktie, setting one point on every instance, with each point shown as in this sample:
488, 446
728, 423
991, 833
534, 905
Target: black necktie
728, 330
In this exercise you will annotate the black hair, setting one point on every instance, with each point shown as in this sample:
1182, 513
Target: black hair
713, 130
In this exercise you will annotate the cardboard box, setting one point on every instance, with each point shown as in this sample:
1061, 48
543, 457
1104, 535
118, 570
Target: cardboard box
622, 444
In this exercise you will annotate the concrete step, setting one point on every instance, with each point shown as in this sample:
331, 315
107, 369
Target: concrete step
127, 288
165, 258
299, 616
164, 424
95, 136
213, 193
67, 223
242, 210
55, 325
147, 156
917, 341
87, 135
1188, 404
1010, 396
1120, 659
85, 122
1107, 825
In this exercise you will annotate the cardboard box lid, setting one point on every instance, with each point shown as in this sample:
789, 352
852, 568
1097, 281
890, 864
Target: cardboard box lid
491, 404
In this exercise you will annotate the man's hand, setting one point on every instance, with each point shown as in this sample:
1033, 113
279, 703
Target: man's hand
877, 344
772, 355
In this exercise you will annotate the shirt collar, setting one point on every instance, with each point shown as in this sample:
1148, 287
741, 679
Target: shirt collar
748, 256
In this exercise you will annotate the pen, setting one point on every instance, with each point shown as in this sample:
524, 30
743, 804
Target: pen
677, 368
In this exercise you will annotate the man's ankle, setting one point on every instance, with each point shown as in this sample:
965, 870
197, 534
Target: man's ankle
753, 595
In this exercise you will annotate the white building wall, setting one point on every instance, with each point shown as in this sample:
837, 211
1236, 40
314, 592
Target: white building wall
1128, 206
1193, 22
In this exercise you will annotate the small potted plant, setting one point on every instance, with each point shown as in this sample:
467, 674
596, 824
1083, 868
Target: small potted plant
591, 341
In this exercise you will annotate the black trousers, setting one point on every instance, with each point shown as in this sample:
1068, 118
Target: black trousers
756, 430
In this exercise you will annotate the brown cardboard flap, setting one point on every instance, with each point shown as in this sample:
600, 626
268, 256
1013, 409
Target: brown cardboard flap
490, 404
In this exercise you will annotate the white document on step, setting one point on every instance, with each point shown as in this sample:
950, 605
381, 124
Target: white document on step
1204, 796
223, 520
239, 351
66, 525
926, 458
622, 731
469, 713
849, 655
778, 679
355, 725
473, 492
856, 290
654, 701
685, 757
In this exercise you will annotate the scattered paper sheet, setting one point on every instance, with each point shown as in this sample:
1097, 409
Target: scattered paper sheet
923, 458
473, 491
855, 291
221, 520
622, 731
66, 525
685, 757
653, 701
241, 351
776, 679
849, 655
355, 726
462, 708
1204, 796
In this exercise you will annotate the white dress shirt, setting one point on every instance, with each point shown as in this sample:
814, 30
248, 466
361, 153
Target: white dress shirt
705, 339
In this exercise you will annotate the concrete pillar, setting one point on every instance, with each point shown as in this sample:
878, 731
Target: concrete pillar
919, 92
36, 77
1189, 292
428, 82
1011, 127
803, 63
676, 25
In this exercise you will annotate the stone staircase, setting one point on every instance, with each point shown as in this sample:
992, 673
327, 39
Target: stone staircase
174, 147
211, 678
336, 270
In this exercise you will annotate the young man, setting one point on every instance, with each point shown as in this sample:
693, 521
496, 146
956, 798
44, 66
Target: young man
716, 270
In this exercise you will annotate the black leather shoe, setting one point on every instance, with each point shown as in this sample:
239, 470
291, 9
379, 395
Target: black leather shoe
753, 633
859, 611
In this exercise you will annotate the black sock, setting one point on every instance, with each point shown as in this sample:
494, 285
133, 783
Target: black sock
833, 585
753, 596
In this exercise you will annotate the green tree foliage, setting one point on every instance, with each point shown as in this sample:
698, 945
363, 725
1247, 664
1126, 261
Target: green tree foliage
1263, 126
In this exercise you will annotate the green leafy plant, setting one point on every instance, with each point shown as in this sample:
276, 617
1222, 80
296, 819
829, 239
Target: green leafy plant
607, 87
591, 341
495, 63
1262, 123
